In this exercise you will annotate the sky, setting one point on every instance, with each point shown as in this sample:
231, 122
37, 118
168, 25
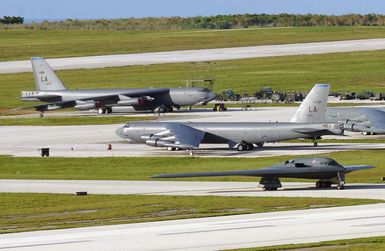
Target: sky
94, 9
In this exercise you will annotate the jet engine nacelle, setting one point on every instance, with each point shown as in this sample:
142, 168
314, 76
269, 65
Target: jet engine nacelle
53, 107
150, 136
164, 143
356, 127
125, 101
81, 105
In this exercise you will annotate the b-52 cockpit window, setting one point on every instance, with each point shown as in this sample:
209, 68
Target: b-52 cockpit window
289, 161
127, 125
204, 90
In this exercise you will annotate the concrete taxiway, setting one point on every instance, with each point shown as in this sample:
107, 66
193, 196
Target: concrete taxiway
214, 233
199, 55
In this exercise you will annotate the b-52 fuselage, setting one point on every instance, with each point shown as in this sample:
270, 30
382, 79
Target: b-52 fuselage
50, 89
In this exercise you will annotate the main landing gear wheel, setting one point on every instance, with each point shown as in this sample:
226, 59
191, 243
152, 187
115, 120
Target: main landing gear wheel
41, 114
164, 109
323, 184
270, 188
240, 147
244, 146
340, 187
102, 110
315, 144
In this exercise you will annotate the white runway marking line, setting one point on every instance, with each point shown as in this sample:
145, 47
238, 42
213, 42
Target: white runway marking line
199, 55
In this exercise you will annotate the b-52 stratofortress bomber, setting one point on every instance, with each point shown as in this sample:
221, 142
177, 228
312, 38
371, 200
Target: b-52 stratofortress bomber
51, 90
327, 170
308, 122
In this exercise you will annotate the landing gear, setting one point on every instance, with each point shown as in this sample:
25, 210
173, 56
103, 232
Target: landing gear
323, 184
260, 145
244, 146
270, 188
41, 114
165, 109
270, 184
315, 143
340, 187
102, 110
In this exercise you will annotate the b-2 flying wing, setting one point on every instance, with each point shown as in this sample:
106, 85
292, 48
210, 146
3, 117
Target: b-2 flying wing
327, 170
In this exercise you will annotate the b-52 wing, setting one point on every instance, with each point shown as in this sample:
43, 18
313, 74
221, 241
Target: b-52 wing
176, 135
125, 98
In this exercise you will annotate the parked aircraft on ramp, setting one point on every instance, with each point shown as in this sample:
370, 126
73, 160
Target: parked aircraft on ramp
367, 120
308, 122
51, 90
327, 170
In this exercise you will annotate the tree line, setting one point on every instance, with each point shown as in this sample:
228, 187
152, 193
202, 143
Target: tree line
12, 20
202, 22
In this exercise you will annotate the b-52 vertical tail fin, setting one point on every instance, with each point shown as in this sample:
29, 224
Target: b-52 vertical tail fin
313, 108
45, 77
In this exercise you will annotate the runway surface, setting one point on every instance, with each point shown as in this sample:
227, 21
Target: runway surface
199, 55
215, 188
214, 233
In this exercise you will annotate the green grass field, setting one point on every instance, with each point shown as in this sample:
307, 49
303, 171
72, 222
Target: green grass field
121, 168
360, 244
24, 44
344, 71
64, 121
27, 211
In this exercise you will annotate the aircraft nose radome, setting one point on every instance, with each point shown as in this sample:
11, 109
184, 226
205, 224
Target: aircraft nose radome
212, 95
120, 132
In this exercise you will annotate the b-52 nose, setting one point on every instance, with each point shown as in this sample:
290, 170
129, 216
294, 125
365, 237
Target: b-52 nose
120, 132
